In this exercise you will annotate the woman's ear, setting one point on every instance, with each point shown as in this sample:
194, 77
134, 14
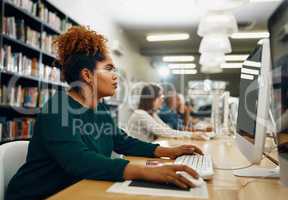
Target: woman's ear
86, 76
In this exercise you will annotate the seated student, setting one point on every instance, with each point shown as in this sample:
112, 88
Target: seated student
74, 134
168, 113
144, 123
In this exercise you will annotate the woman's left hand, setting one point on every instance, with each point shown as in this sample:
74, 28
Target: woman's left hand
174, 152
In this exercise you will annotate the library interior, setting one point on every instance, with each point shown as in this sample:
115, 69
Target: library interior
133, 99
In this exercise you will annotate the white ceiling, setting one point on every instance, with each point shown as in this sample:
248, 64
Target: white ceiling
159, 13
140, 17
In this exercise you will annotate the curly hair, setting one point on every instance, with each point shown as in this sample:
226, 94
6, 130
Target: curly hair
78, 40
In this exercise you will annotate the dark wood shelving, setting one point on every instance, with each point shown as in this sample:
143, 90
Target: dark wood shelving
30, 47
19, 42
49, 27
22, 11
34, 78
17, 111
48, 54
55, 83
9, 9
32, 17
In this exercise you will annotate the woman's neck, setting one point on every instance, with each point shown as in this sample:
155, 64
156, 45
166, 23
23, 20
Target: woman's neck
84, 98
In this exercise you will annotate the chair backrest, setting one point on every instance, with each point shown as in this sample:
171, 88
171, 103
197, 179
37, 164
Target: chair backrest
12, 156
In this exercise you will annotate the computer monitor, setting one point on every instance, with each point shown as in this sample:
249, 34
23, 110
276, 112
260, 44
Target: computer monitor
278, 28
254, 103
253, 109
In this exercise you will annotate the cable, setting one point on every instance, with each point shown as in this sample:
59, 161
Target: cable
276, 162
237, 168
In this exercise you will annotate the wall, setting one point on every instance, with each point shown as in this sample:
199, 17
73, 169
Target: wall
134, 65
232, 79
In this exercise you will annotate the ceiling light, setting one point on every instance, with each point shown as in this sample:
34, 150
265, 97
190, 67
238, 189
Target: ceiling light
178, 58
235, 57
182, 66
250, 35
184, 71
224, 23
167, 37
250, 71
231, 65
215, 43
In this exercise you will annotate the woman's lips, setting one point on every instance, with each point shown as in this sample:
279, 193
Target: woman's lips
115, 85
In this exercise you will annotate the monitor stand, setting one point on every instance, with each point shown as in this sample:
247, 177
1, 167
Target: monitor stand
258, 172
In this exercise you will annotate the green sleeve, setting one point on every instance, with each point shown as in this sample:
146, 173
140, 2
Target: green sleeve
124, 144
72, 154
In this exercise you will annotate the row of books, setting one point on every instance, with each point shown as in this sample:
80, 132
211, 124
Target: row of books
16, 28
39, 10
17, 128
17, 62
27, 5
24, 97
51, 18
47, 41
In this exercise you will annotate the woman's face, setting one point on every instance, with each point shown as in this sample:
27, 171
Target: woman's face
105, 78
158, 101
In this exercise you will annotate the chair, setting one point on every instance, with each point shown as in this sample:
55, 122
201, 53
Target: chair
12, 157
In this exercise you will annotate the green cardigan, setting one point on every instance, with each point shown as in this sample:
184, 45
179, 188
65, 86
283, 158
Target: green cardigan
71, 143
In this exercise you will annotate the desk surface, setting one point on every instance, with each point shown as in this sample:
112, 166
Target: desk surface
223, 185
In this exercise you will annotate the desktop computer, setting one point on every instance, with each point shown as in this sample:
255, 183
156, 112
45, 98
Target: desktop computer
278, 28
253, 110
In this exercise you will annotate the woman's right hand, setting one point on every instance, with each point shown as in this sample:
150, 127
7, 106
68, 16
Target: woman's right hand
162, 174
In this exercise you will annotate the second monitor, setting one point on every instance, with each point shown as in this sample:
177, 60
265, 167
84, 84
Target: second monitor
254, 103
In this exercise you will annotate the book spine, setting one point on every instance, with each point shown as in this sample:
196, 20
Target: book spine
17, 128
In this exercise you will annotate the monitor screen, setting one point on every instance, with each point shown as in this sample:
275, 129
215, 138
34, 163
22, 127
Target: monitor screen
248, 97
278, 28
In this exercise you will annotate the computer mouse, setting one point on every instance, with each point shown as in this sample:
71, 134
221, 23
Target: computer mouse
197, 182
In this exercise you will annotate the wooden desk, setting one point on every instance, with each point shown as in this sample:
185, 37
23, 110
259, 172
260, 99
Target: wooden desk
223, 186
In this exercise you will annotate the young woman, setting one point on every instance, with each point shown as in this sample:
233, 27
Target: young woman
144, 123
74, 134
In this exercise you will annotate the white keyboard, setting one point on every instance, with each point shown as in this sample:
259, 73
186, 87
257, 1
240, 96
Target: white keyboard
202, 164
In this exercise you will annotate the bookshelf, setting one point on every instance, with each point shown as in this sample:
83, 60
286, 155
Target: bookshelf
29, 74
